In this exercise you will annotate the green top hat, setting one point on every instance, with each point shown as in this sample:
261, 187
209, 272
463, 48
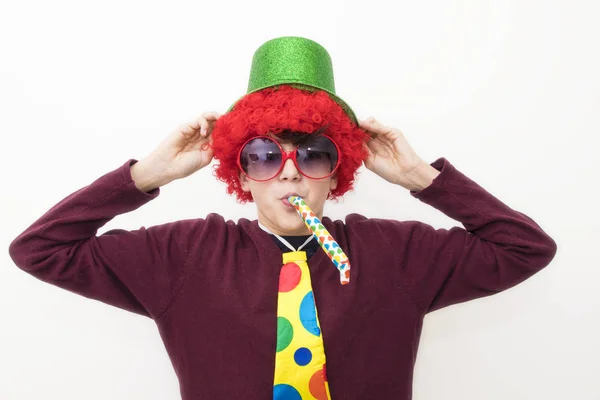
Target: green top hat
295, 61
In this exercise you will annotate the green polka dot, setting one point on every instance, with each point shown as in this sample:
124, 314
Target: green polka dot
339, 250
285, 333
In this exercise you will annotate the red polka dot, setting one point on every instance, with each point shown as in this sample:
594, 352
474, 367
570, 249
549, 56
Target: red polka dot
289, 277
316, 385
324, 373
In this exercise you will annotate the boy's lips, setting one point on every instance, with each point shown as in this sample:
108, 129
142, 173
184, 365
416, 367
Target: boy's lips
285, 198
287, 203
288, 194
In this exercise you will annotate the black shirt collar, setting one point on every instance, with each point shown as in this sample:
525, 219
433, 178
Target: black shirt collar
297, 241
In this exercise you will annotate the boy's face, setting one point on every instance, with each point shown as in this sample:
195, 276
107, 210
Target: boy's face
280, 218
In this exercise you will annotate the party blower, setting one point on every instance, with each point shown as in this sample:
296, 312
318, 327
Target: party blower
329, 246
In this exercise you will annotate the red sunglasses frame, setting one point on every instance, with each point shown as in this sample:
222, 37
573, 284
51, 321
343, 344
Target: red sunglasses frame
287, 155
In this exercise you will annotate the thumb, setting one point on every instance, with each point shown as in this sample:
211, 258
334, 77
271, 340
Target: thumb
369, 161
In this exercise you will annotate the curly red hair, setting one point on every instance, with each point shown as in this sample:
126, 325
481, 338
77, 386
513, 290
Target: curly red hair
285, 108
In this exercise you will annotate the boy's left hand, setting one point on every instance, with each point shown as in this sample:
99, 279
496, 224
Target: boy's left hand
390, 155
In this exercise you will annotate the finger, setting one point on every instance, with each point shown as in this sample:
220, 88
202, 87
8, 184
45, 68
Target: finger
367, 121
385, 132
375, 125
202, 125
371, 133
193, 126
189, 128
370, 127
205, 125
211, 115
206, 128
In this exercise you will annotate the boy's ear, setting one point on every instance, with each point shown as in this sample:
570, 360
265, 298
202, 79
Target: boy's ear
333, 182
244, 182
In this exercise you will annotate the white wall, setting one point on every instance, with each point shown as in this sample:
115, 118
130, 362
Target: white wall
507, 91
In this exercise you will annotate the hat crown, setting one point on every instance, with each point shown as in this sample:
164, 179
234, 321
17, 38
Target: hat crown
291, 59
294, 61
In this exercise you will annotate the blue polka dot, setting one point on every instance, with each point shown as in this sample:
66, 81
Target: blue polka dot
302, 356
285, 392
308, 314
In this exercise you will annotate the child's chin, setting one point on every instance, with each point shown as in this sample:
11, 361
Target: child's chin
293, 224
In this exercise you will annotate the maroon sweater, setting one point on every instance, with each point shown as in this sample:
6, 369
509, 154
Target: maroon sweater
211, 285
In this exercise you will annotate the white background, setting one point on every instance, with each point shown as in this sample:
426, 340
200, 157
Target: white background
507, 91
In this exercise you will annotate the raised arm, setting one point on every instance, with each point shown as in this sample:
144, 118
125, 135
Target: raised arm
140, 270
497, 249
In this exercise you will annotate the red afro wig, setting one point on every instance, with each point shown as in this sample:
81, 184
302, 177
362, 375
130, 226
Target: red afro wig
284, 108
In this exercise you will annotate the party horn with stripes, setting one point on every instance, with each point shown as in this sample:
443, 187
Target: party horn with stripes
329, 246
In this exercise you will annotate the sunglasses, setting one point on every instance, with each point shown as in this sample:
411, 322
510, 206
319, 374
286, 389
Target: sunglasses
262, 158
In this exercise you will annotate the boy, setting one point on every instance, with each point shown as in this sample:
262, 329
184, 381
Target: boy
217, 289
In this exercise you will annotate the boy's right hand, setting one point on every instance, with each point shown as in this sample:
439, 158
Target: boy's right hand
186, 150
182, 153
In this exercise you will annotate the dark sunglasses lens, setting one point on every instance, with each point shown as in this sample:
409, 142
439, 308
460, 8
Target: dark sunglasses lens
261, 158
317, 158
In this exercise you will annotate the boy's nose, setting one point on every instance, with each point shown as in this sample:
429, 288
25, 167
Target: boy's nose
289, 170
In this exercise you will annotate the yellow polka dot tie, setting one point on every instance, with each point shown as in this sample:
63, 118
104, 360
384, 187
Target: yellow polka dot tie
300, 358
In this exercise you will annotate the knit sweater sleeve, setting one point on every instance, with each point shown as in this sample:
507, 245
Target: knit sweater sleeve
498, 247
139, 270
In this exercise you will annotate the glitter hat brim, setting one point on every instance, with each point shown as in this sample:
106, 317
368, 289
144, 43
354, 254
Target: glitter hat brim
294, 61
